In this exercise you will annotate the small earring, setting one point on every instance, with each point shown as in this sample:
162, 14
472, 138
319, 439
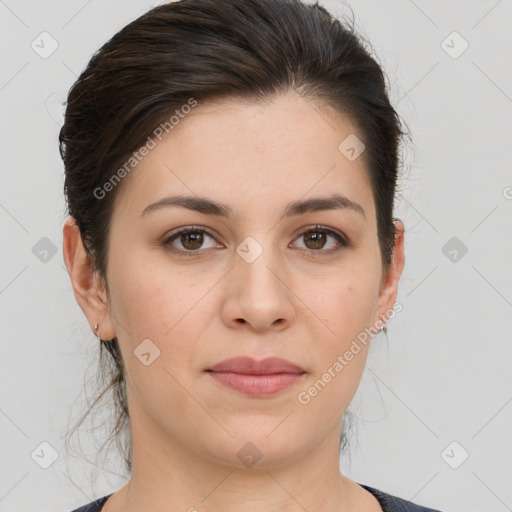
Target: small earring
384, 328
95, 329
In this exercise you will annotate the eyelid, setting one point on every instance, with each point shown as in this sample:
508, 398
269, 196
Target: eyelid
343, 239
184, 230
340, 237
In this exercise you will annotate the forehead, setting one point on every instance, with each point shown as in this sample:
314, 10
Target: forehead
251, 155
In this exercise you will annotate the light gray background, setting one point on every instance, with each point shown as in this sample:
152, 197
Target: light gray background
445, 374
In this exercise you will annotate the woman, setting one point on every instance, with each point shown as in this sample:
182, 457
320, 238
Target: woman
231, 167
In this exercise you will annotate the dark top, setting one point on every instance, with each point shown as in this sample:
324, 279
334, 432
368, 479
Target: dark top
387, 502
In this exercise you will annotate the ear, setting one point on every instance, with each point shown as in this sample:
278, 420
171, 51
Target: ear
87, 287
389, 285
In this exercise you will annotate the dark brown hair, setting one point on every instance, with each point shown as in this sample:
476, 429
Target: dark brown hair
212, 49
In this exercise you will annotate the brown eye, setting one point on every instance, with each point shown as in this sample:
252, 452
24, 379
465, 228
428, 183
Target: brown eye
190, 239
317, 238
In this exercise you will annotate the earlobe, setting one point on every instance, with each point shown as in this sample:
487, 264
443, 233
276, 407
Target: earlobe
85, 281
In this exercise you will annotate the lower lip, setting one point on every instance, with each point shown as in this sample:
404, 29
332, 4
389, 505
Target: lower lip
256, 385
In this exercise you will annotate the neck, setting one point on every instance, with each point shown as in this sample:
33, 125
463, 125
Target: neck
168, 476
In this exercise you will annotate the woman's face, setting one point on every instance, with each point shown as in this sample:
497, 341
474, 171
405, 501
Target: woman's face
258, 283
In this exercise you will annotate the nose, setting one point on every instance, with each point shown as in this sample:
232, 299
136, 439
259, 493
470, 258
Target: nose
258, 292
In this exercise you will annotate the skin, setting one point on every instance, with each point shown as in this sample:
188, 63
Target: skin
301, 301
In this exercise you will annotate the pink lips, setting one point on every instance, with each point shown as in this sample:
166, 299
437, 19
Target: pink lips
257, 378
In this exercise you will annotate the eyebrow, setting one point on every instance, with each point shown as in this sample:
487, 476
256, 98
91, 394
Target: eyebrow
210, 207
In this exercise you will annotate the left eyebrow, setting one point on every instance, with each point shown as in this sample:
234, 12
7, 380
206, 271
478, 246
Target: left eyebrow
210, 207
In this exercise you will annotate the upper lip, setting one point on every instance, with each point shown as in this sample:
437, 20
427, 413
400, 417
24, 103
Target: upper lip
251, 366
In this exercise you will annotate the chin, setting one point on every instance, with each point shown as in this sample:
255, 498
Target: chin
255, 445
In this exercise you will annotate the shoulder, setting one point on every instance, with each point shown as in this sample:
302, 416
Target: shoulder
94, 506
391, 503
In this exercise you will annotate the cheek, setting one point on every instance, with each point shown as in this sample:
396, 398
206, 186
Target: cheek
346, 306
150, 303
151, 300
340, 357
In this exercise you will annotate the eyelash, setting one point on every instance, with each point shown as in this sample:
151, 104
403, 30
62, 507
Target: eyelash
341, 239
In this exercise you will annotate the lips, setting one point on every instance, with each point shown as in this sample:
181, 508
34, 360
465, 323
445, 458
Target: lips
256, 378
249, 366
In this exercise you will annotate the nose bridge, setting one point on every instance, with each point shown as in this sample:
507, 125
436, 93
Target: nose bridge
260, 263
260, 283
